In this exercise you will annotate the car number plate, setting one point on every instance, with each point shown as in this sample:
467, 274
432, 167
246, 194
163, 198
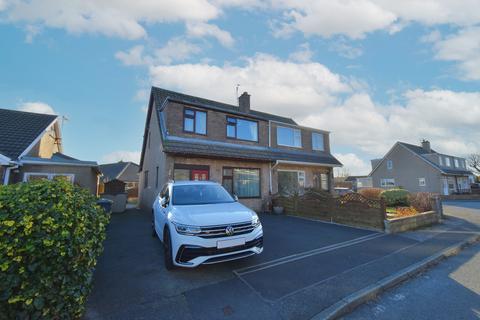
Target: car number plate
230, 243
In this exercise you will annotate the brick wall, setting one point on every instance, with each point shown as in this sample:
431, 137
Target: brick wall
216, 125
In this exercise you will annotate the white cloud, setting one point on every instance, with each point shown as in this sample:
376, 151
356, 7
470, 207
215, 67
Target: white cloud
463, 48
202, 29
353, 164
346, 50
327, 18
286, 87
120, 18
303, 54
32, 31
133, 57
37, 107
176, 49
121, 155
356, 18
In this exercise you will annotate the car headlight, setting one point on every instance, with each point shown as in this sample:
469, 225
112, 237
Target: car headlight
255, 221
187, 230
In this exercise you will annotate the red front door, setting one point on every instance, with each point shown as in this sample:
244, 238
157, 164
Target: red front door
199, 175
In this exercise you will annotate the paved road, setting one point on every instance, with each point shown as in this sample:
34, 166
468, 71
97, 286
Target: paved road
451, 290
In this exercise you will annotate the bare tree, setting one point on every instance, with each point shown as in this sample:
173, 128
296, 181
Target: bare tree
474, 162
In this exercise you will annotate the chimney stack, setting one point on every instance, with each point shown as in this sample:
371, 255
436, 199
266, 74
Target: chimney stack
426, 146
244, 102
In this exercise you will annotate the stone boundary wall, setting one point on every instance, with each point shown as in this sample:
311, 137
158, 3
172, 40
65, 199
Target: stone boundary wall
411, 223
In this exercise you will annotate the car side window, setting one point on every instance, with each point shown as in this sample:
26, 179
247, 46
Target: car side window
164, 194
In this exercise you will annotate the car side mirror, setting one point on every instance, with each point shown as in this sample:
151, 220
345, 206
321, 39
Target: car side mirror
235, 197
163, 202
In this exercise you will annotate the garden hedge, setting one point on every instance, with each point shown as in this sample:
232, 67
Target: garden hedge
51, 234
395, 197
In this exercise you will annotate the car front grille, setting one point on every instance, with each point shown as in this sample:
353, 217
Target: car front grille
187, 252
220, 231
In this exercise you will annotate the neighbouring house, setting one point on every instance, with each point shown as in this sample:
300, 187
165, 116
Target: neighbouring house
120, 177
420, 169
359, 182
251, 153
31, 148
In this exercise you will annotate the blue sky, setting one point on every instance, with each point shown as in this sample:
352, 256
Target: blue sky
370, 71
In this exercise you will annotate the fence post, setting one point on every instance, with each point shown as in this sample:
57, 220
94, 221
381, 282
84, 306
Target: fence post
383, 208
438, 206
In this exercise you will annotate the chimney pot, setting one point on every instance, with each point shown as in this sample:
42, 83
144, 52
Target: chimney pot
244, 102
426, 146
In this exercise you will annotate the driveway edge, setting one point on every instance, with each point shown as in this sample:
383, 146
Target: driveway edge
349, 303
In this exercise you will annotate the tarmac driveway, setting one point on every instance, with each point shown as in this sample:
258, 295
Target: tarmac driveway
306, 266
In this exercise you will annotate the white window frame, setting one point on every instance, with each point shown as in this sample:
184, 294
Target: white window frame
389, 164
456, 163
287, 145
447, 162
383, 183
322, 148
299, 173
422, 182
440, 160
49, 175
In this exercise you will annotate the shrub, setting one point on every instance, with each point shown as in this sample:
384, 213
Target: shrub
371, 193
51, 234
421, 201
395, 197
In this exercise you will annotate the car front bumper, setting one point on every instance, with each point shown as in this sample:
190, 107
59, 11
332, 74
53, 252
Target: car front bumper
191, 251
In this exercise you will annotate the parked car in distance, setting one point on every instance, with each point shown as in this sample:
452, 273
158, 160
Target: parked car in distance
199, 222
342, 191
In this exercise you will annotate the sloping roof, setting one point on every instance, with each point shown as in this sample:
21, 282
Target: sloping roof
206, 148
354, 178
416, 149
19, 129
120, 171
58, 159
162, 94
421, 152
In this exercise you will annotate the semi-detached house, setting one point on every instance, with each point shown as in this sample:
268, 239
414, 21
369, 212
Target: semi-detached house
252, 154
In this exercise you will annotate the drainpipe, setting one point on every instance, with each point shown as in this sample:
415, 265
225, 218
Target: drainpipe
7, 174
269, 133
270, 174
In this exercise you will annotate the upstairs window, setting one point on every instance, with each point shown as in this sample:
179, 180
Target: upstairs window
422, 182
194, 121
440, 160
389, 164
456, 163
317, 141
289, 137
447, 162
242, 129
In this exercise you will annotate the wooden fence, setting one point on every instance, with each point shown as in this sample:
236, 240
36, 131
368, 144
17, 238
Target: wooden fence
350, 209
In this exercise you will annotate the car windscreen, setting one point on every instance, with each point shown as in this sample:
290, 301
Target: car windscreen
200, 194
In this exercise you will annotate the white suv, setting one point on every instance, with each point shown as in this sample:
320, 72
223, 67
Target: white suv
199, 222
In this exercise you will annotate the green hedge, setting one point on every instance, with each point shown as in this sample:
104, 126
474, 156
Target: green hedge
395, 197
51, 234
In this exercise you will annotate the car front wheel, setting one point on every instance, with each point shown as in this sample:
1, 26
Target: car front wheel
167, 246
